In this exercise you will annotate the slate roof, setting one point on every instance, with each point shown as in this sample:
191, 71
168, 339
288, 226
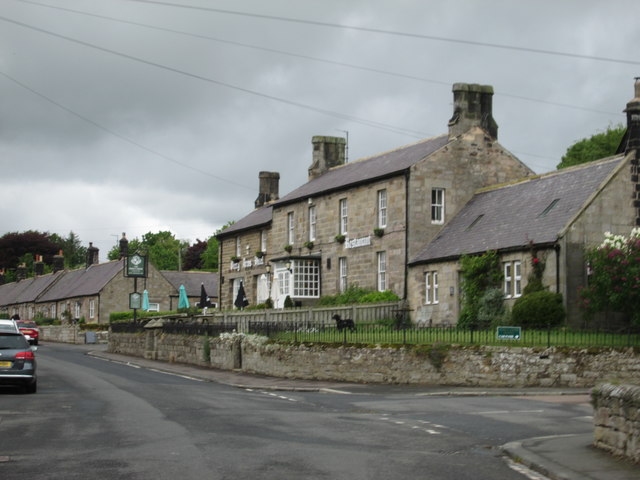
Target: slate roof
514, 215
367, 169
260, 216
345, 176
192, 282
83, 282
26, 290
10, 291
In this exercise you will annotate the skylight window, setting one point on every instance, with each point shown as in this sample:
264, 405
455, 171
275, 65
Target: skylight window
475, 221
549, 208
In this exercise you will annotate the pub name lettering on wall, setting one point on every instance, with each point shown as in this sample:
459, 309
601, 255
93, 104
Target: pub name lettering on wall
358, 242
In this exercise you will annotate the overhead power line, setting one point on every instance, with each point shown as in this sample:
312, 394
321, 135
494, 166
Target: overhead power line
120, 136
343, 116
391, 32
305, 57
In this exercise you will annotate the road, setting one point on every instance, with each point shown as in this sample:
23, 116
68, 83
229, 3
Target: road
102, 420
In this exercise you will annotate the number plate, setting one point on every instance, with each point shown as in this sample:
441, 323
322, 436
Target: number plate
5, 364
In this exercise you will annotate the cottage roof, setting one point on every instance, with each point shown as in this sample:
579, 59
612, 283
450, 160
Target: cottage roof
83, 282
534, 210
368, 169
36, 286
192, 282
26, 290
10, 291
259, 217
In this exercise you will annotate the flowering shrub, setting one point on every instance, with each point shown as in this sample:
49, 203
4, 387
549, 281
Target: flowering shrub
250, 339
614, 276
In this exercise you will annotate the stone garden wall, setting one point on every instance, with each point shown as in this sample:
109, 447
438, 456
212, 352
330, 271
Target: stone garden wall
617, 420
432, 365
71, 334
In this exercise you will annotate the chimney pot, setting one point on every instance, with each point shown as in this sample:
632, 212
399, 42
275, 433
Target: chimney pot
58, 262
124, 246
92, 255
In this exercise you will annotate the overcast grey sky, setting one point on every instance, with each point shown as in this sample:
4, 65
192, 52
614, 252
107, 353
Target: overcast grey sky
136, 116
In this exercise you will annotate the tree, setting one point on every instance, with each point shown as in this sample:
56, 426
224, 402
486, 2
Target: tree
135, 245
75, 255
614, 276
598, 146
193, 257
14, 246
210, 255
162, 248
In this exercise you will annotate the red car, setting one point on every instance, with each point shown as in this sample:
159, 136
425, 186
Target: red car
29, 330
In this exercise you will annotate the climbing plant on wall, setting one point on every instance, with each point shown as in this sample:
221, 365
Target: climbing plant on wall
481, 279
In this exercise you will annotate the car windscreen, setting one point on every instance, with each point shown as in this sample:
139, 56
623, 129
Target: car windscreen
12, 342
27, 324
5, 327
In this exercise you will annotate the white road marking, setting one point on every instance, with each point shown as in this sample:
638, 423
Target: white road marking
502, 412
526, 471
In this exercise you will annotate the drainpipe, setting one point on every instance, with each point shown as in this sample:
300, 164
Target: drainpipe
406, 232
557, 249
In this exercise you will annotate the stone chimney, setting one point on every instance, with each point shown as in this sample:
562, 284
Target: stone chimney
124, 246
21, 272
327, 152
92, 255
58, 262
633, 121
38, 266
631, 142
268, 189
472, 107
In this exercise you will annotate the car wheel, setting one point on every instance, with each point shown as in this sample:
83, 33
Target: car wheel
32, 387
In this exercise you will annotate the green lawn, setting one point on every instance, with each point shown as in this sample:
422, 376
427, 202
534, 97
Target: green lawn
376, 334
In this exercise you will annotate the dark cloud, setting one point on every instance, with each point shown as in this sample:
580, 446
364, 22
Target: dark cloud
123, 127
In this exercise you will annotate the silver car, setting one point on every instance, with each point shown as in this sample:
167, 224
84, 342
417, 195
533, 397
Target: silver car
17, 361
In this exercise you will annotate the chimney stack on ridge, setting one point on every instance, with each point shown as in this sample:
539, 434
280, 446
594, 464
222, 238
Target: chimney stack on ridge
472, 107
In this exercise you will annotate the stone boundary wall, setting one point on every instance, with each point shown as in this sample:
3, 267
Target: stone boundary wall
69, 334
431, 365
617, 420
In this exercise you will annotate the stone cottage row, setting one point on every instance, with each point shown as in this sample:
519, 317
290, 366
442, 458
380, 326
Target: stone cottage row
94, 292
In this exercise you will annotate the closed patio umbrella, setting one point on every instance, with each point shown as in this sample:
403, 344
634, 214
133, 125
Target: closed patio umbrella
241, 298
204, 298
145, 300
183, 301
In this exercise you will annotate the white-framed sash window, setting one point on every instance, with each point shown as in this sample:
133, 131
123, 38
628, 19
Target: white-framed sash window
431, 288
344, 217
382, 271
382, 208
437, 205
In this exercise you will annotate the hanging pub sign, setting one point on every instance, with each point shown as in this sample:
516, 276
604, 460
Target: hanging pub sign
135, 266
135, 300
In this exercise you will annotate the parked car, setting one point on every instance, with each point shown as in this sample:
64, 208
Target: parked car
17, 361
8, 326
29, 330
